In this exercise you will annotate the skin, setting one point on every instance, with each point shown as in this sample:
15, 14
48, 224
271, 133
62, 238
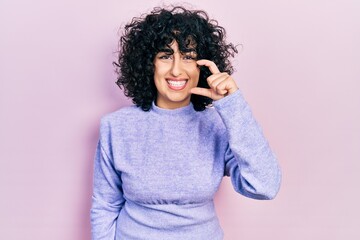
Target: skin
221, 83
175, 67
184, 67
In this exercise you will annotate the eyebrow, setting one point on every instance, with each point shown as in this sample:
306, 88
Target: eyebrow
166, 50
170, 51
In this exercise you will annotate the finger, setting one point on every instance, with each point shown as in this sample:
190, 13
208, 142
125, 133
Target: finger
210, 64
227, 85
222, 87
214, 77
219, 78
210, 93
202, 91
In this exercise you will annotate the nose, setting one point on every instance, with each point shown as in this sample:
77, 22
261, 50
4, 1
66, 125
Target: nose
176, 68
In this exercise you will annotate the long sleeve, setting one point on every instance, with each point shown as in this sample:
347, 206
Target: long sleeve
249, 161
107, 199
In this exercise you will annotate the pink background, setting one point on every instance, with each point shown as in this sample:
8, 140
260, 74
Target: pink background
299, 68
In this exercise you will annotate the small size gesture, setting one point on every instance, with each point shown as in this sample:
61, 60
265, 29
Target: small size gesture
221, 83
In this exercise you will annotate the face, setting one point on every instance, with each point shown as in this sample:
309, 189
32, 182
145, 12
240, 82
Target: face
174, 75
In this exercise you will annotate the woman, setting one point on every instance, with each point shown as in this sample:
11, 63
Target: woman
159, 163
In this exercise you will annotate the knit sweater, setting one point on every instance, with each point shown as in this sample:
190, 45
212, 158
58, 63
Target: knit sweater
156, 172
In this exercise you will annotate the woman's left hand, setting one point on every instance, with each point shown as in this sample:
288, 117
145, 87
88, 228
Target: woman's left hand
221, 83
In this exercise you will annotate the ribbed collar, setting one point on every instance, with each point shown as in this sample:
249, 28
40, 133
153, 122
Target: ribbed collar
187, 110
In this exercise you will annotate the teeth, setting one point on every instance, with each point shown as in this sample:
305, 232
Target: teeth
177, 83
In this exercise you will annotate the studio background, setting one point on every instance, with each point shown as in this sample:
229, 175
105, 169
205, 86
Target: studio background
298, 67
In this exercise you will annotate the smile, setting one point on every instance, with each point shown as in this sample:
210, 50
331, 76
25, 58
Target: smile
176, 84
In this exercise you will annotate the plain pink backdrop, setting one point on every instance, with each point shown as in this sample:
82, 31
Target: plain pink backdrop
298, 67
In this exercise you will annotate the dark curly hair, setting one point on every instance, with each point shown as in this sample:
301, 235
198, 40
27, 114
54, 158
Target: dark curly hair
144, 37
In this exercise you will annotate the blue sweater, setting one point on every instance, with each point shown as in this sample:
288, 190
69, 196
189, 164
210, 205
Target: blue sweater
156, 172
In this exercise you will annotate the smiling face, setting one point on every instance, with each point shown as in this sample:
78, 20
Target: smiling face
175, 73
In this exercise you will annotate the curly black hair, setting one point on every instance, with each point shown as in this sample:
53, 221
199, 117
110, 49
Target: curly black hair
149, 34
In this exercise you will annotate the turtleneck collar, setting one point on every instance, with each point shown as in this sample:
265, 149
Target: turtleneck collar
187, 110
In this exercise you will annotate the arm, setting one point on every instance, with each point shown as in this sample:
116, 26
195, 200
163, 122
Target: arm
107, 199
249, 160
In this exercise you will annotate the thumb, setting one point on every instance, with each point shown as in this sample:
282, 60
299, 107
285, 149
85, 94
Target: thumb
201, 91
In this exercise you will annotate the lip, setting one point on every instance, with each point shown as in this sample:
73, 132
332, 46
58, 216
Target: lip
176, 88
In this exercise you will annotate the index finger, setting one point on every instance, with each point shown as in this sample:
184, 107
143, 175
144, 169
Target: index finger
210, 64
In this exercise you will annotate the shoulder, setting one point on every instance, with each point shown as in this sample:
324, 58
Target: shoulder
114, 125
120, 119
122, 115
211, 119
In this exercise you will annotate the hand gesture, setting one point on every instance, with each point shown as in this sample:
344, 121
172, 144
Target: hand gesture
221, 83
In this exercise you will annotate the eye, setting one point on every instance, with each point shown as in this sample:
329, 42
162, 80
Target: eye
191, 56
188, 57
165, 56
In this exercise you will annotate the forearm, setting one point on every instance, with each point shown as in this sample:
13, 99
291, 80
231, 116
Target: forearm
252, 164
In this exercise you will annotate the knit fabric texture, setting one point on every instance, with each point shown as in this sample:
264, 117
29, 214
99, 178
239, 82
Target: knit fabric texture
156, 172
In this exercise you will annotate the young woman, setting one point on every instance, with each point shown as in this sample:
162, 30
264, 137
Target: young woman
159, 163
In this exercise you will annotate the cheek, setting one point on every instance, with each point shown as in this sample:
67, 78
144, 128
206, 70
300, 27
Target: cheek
161, 69
158, 72
194, 73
